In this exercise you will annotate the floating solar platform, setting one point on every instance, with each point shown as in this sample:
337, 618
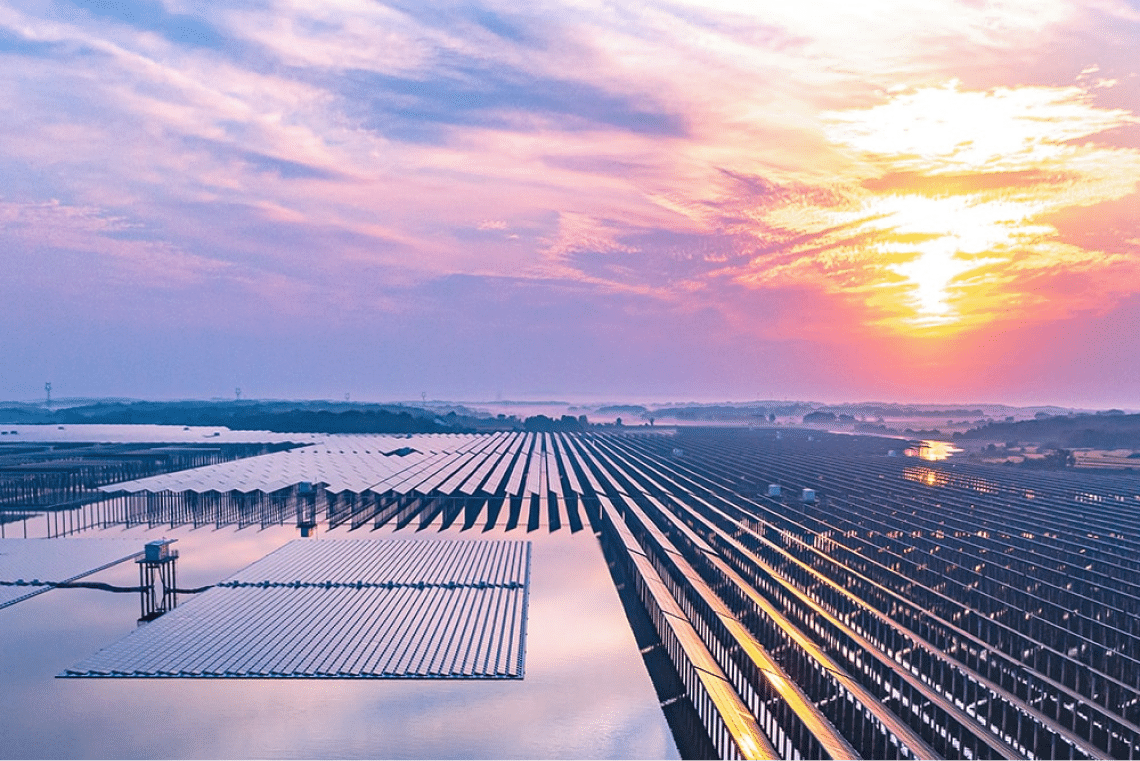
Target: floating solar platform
23, 561
344, 609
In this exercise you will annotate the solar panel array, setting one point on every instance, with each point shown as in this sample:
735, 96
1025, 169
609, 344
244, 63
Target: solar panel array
922, 610
513, 463
873, 606
44, 560
347, 608
374, 479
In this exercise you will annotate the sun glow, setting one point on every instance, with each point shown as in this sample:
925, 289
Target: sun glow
934, 242
956, 187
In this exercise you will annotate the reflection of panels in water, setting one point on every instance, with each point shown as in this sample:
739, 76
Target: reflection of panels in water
57, 560
344, 608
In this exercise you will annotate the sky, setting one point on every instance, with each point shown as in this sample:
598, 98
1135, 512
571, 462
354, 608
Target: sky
926, 201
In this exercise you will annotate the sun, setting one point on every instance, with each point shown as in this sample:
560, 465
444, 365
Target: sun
936, 242
956, 187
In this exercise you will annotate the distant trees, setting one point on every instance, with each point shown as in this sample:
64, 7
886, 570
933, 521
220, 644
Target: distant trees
820, 417
1054, 459
269, 416
1092, 431
566, 423
1061, 458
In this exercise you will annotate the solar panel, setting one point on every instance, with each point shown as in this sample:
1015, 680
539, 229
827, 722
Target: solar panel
345, 608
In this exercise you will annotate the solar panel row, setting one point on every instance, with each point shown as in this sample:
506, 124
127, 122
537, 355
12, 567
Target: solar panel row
864, 587
507, 463
344, 609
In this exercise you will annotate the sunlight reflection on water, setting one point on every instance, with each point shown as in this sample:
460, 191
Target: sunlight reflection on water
933, 450
586, 693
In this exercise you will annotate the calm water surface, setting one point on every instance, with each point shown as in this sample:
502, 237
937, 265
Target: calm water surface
586, 693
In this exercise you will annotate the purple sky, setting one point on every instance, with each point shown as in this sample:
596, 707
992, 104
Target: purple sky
926, 201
